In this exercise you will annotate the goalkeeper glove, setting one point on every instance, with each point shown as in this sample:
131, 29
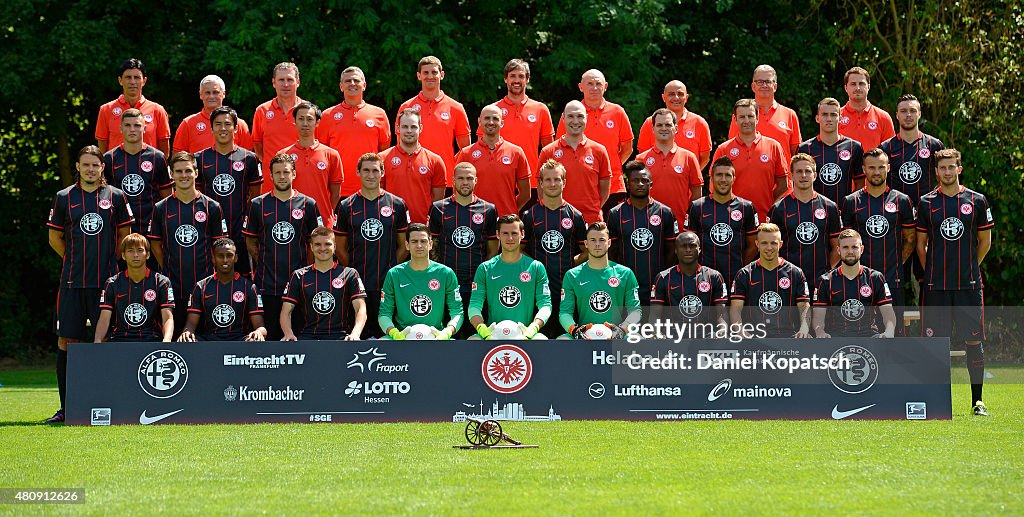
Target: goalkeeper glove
484, 331
443, 335
396, 334
529, 331
617, 332
580, 331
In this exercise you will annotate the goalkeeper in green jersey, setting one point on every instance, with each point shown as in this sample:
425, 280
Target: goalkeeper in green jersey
598, 291
511, 285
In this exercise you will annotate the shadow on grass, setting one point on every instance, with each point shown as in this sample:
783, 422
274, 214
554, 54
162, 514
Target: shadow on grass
30, 424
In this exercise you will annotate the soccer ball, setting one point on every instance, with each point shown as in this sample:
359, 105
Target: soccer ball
507, 329
419, 332
599, 332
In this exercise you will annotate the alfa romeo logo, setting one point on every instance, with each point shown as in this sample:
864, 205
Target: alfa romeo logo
133, 184
806, 232
463, 237
420, 305
770, 302
690, 306
162, 374
951, 228
224, 184
852, 309
910, 172
600, 302
642, 239
721, 234
223, 315
91, 224
509, 296
877, 226
186, 235
283, 232
323, 302
372, 229
830, 174
861, 373
552, 241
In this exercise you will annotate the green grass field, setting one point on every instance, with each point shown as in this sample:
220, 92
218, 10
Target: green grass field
966, 466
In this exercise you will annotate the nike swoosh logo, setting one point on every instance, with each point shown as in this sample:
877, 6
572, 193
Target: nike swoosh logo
839, 415
121, 295
118, 166
706, 215
146, 420
268, 214
449, 217
499, 276
936, 209
357, 213
306, 285
206, 296
76, 205
585, 283
403, 285
836, 292
538, 223
207, 166
754, 283
627, 221
172, 216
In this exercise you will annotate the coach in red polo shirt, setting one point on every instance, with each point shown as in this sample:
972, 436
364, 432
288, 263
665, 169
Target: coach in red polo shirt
195, 133
273, 125
859, 119
760, 162
773, 119
587, 166
318, 170
503, 173
354, 128
411, 171
674, 171
692, 131
132, 77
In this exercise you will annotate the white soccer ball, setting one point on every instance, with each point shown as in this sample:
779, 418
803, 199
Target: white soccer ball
507, 329
419, 332
599, 332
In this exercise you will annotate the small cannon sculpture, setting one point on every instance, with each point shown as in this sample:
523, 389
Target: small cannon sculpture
487, 434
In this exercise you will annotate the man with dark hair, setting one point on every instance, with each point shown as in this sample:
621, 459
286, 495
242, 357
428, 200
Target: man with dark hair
416, 292
411, 171
183, 228
273, 124
911, 152
761, 164
773, 120
693, 133
504, 174
689, 286
131, 75
809, 222
370, 234
138, 169
318, 170
641, 228
845, 298
588, 166
725, 222
839, 159
324, 290
859, 119
225, 304
674, 170
276, 231
136, 304
954, 234
442, 118
196, 132
87, 221
776, 286
231, 176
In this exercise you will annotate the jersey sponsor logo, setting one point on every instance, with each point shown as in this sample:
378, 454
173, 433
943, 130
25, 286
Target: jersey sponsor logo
877, 226
924, 153
478, 218
891, 207
552, 241
338, 283
721, 233
784, 283
588, 159
613, 282
283, 232
845, 154
91, 224
298, 213
600, 302
852, 309
507, 160
736, 215
734, 152
642, 239
133, 184
566, 223
146, 166
162, 374
531, 117
952, 228
764, 158
609, 124
186, 235
770, 302
323, 302
223, 315
872, 125
396, 161
830, 174
434, 284
558, 153
655, 220
322, 165
524, 276
650, 160
819, 213
135, 315
463, 237
201, 126
224, 184
445, 115
238, 296
476, 154
910, 172
104, 204
690, 133
704, 286
420, 305
371, 229
690, 306
200, 216
966, 209
338, 115
423, 169
510, 296
865, 290
116, 111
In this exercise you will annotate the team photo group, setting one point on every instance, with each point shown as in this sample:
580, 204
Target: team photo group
308, 224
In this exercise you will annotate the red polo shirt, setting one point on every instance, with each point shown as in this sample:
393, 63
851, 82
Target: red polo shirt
778, 123
354, 131
693, 134
757, 167
412, 176
108, 124
584, 167
674, 174
316, 167
870, 127
497, 172
525, 124
195, 134
444, 120
609, 126
274, 128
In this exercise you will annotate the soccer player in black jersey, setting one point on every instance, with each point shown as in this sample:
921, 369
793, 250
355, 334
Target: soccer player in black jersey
464, 230
810, 222
954, 233
86, 223
726, 223
773, 286
224, 305
369, 234
845, 298
641, 229
276, 232
911, 152
884, 218
183, 229
689, 287
138, 169
837, 157
231, 176
555, 233
136, 304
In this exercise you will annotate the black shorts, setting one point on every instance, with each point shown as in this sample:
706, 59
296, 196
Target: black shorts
78, 310
959, 315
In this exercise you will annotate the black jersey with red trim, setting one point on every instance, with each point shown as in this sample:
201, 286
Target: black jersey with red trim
326, 300
642, 236
135, 306
282, 229
462, 233
912, 164
89, 221
838, 165
690, 293
806, 230
187, 231
226, 178
952, 224
772, 295
880, 222
553, 237
372, 227
852, 302
723, 229
140, 176
225, 309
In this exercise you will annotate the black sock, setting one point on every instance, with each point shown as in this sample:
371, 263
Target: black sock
62, 375
976, 369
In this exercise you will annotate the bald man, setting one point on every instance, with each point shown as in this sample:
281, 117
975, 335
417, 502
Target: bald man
693, 133
503, 171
